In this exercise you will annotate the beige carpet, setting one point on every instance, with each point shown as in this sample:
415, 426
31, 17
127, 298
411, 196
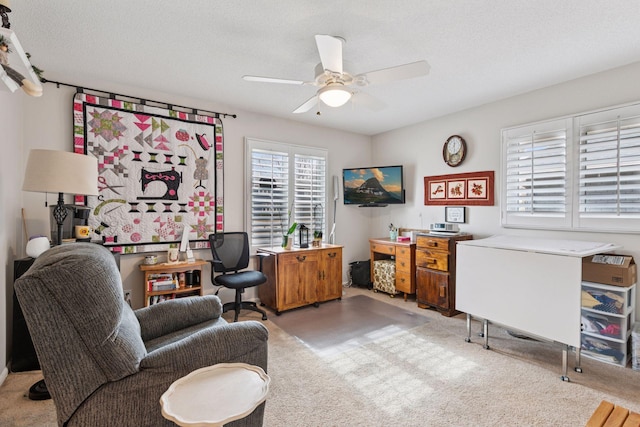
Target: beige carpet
422, 376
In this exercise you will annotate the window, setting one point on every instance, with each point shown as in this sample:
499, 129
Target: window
576, 173
609, 170
283, 178
536, 175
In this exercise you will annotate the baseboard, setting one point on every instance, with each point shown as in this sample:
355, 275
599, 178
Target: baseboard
3, 375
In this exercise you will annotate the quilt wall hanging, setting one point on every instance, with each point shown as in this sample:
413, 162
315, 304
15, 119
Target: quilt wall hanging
160, 172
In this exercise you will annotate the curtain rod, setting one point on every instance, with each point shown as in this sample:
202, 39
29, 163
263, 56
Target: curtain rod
142, 101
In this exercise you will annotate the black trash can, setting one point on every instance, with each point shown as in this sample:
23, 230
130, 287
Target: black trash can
360, 272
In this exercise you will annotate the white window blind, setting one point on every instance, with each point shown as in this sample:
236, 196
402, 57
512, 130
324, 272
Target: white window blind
310, 191
536, 175
282, 178
609, 169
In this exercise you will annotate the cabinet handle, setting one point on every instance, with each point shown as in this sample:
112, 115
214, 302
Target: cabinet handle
443, 291
402, 264
332, 254
432, 243
301, 258
431, 261
323, 275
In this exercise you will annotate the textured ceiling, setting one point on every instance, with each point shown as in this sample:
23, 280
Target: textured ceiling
479, 51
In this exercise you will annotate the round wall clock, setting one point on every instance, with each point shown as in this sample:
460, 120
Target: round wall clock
454, 150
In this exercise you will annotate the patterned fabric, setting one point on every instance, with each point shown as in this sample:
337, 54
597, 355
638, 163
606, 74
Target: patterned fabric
384, 276
160, 172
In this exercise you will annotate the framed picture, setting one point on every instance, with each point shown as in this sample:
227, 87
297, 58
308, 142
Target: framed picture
462, 189
454, 214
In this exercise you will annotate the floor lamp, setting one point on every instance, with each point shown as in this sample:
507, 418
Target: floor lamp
61, 172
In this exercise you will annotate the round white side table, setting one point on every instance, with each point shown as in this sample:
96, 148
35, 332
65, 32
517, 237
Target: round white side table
215, 395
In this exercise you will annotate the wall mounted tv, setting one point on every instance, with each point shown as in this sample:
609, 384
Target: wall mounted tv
373, 186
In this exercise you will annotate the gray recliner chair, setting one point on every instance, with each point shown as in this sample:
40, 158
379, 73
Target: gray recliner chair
106, 364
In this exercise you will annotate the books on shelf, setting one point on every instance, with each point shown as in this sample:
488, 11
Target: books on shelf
162, 282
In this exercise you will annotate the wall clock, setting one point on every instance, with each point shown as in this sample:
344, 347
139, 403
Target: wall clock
454, 150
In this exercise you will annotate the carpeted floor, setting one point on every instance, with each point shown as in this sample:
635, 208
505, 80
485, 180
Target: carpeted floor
417, 374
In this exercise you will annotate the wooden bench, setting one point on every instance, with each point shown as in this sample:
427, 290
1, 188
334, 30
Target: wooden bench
609, 415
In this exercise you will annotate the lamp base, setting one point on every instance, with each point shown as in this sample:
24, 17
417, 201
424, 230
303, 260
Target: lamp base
39, 391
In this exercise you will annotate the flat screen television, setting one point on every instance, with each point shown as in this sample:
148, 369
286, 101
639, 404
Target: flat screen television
373, 186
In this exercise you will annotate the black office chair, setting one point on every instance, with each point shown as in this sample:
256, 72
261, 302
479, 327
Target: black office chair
230, 253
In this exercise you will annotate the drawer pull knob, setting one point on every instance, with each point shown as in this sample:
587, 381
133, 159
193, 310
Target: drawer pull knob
301, 258
443, 291
432, 243
332, 254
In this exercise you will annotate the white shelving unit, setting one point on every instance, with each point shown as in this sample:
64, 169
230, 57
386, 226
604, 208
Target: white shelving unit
606, 327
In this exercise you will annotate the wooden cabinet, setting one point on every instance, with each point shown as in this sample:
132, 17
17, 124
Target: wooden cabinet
330, 275
177, 290
404, 255
300, 277
435, 272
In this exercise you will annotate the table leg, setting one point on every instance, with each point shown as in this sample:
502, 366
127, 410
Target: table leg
485, 331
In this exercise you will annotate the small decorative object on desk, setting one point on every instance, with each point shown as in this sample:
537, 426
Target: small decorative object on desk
173, 254
303, 236
287, 239
393, 232
317, 239
151, 259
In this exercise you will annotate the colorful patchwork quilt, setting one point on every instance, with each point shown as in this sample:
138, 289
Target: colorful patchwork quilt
160, 172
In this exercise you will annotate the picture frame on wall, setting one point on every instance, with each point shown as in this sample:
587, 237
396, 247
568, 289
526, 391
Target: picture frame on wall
455, 214
463, 189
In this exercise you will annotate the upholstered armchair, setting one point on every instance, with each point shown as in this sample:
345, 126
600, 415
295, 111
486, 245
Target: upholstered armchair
107, 365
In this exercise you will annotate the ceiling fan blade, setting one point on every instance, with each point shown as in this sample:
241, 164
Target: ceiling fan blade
272, 80
308, 105
362, 99
330, 50
400, 72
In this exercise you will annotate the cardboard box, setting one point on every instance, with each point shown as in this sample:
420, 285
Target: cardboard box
617, 270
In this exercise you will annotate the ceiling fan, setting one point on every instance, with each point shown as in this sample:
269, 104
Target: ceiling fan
336, 85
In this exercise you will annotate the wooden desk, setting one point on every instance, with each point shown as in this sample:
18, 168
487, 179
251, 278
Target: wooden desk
298, 277
404, 254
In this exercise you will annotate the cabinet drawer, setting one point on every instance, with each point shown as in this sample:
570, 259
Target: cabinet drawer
383, 249
403, 263
403, 282
607, 326
432, 259
432, 243
606, 350
606, 299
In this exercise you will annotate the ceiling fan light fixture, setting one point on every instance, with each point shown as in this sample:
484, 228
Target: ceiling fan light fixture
334, 95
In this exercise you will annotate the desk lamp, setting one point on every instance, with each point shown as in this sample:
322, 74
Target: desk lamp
61, 172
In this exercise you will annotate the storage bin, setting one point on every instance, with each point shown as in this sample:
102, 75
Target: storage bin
609, 299
606, 325
635, 347
384, 276
609, 351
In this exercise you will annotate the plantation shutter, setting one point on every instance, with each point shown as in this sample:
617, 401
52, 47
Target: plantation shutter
269, 196
282, 178
310, 191
609, 169
536, 175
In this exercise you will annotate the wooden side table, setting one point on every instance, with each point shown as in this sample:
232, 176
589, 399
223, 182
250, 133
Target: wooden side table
180, 267
239, 389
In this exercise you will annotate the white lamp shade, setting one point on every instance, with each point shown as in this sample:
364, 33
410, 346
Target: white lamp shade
50, 171
334, 95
